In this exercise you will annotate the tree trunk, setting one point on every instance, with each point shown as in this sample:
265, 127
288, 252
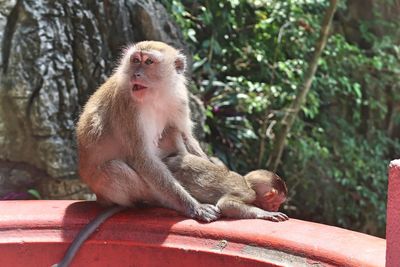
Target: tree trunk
294, 109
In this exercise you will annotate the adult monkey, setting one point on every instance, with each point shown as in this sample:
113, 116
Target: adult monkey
119, 130
121, 124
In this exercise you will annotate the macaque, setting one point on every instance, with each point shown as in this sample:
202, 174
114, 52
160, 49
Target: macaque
257, 195
271, 190
120, 127
118, 134
123, 135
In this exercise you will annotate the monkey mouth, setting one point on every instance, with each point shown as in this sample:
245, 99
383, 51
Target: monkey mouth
138, 87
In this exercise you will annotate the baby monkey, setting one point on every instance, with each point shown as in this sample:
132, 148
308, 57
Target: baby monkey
257, 195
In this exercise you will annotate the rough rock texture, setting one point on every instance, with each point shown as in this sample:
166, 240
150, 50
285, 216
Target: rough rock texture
54, 54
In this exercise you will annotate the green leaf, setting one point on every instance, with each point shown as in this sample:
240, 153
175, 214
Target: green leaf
34, 193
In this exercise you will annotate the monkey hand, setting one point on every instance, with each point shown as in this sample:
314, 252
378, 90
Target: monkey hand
273, 216
205, 213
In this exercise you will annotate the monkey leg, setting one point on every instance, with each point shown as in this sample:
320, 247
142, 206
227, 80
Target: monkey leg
116, 182
234, 207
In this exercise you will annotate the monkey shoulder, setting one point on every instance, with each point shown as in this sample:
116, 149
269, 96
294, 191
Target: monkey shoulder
91, 125
94, 121
237, 186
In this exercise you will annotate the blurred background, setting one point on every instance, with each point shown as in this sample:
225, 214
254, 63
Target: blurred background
251, 66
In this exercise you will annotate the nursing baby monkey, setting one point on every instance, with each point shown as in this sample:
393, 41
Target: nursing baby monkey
257, 195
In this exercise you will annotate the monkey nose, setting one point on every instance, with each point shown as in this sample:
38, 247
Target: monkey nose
275, 208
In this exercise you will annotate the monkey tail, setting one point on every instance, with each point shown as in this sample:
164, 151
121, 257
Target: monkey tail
85, 233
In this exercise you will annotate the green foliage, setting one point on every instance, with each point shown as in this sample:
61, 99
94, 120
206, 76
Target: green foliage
34, 193
249, 59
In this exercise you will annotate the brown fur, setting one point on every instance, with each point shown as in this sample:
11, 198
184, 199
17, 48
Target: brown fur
257, 177
120, 125
216, 185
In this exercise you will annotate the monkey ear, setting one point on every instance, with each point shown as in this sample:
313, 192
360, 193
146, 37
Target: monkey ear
180, 63
271, 194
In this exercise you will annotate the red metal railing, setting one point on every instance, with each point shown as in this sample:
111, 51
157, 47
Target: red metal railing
37, 233
393, 216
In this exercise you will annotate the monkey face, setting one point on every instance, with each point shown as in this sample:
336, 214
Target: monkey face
270, 200
144, 72
152, 68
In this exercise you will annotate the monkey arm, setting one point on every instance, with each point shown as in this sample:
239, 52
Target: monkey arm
234, 207
185, 127
171, 143
193, 146
162, 182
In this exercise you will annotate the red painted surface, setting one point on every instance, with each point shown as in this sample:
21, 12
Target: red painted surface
393, 216
37, 233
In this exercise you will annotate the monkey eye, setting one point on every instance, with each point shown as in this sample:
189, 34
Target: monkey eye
149, 61
135, 60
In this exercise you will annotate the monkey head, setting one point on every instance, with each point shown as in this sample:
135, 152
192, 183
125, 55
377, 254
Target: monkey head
271, 190
152, 69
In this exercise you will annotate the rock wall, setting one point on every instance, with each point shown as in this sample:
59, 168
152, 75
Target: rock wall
54, 54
